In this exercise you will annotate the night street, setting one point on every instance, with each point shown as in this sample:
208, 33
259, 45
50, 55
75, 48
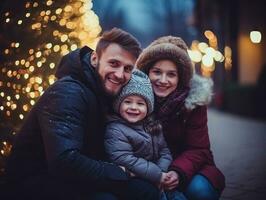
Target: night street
239, 146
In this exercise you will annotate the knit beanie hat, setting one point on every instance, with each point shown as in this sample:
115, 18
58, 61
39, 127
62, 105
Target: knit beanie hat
168, 47
140, 85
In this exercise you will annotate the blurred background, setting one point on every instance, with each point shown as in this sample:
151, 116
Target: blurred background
226, 42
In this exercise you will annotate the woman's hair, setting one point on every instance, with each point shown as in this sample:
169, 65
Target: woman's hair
152, 126
120, 37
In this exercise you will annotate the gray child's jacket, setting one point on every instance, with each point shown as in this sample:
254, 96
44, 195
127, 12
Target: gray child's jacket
129, 145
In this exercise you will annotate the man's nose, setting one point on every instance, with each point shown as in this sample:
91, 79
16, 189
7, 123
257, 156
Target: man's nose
119, 73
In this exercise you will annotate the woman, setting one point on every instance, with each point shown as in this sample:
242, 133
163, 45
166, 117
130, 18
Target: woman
181, 106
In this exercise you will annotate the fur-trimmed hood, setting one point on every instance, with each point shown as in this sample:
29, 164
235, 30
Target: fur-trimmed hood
200, 92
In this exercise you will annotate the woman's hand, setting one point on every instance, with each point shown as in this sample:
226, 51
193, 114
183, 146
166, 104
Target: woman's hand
172, 181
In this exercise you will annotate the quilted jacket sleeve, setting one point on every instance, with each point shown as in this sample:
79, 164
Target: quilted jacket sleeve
120, 151
165, 158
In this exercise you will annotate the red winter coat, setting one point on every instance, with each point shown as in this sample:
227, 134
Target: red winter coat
187, 137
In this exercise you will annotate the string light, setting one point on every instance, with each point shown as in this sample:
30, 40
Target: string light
47, 31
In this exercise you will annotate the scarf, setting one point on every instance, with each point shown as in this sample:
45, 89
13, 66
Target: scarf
170, 105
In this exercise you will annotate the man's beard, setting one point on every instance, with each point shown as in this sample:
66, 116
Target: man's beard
107, 94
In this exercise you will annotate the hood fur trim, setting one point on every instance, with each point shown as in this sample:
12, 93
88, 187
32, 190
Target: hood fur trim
200, 92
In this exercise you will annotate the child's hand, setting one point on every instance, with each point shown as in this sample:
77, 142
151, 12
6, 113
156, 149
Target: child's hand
172, 181
164, 178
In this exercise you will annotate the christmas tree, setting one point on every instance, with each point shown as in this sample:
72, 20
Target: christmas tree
34, 36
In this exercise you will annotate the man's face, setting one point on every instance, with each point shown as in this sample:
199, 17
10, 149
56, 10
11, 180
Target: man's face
114, 68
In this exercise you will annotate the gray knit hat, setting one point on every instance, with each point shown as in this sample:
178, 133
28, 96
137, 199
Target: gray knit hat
167, 47
139, 84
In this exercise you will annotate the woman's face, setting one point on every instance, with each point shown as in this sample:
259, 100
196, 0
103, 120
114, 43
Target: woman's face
164, 77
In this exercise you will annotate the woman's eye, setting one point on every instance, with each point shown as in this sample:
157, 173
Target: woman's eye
156, 72
172, 75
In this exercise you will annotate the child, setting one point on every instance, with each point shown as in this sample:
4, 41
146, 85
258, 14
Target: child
133, 140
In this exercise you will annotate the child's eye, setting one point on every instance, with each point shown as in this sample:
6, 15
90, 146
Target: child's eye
127, 102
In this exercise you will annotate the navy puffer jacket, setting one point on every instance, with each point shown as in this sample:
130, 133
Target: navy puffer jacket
63, 134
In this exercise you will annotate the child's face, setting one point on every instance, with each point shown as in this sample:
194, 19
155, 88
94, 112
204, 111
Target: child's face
133, 108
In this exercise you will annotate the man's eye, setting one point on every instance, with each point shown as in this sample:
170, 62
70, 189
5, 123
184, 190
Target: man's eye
127, 102
128, 69
113, 63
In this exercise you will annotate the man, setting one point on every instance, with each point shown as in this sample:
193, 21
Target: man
59, 150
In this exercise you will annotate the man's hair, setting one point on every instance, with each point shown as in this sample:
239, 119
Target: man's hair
120, 37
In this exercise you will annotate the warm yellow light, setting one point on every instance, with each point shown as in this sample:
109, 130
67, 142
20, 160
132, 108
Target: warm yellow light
17, 44
27, 15
27, 89
31, 68
62, 22
202, 46
73, 47
51, 79
8, 104
195, 55
13, 106
255, 36
48, 3
31, 51
38, 80
17, 96
42, 13
82, 35
53, 18
32, 102
19, 22
7, 20
48, 12
207, 61
23, 61
25, 107
56, 33
21, 116
8, 98
6, 14
56, 48
27, 64
64, 38
218, 56
70, 25
1, 107
35, 4
58, 11
40, 89
38, 54
210, 52
6, 51
2, 94
39, 63
52, 65
68, 8
49, 45
209, 34
32, 95
26, 76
